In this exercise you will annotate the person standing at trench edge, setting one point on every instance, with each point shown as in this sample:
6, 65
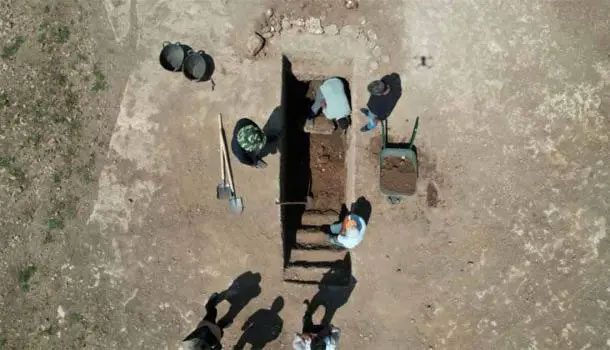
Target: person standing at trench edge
348, 233
385, 93
248, 143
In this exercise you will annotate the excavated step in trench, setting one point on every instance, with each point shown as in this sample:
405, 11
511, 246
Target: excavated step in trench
317, 256
312, 238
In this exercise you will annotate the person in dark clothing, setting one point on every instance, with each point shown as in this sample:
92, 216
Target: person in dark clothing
207, 335
248, 142
385, 93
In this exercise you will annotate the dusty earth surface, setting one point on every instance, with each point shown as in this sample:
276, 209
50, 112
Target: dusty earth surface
111, 235
398, 175
327, 163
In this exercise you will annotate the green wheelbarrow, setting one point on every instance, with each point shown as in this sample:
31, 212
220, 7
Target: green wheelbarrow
397, 167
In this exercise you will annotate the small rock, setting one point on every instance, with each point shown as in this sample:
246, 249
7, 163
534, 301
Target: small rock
351, 4
299, 22
274, 22
314, 26
377, 51
371, 35
350, 31
269, 13
373, 66
331, 29
286, 23
267, 35
255, 44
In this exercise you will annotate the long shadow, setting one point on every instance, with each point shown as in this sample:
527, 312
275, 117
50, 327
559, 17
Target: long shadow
295, 174
332, 297
208, 333
241, 291
264, 326
273, 129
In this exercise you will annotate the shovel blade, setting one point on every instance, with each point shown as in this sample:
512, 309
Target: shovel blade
236, 204
223, 191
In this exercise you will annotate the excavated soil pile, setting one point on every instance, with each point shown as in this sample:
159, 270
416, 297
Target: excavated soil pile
327, 163
398, 175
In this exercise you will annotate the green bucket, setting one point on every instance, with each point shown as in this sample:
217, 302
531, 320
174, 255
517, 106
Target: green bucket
408, 154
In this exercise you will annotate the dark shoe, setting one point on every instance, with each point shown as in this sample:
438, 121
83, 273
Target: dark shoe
261, 164
365, 128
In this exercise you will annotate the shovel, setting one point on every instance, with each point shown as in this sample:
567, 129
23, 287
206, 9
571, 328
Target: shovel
236, 204
308, 203
223, 190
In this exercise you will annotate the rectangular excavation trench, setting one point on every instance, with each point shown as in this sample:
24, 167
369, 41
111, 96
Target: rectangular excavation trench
311, 165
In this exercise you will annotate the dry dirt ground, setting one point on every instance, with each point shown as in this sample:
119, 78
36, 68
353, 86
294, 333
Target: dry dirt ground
111, 236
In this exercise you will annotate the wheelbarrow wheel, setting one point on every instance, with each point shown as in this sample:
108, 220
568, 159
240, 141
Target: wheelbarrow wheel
394, 199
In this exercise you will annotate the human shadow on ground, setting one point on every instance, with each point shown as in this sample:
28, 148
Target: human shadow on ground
331, 296
264, 326
273, 130
361, 207
315, 332
241, 291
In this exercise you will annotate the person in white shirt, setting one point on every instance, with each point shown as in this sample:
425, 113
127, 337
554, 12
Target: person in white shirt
348, 233
332, 98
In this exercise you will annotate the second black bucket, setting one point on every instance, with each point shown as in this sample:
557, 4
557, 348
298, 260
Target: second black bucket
198, 66
173, 54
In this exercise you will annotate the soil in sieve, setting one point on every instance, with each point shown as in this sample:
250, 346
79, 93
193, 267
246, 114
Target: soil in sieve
398, 175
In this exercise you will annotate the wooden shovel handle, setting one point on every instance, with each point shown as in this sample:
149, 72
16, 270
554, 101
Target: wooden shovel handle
225, 154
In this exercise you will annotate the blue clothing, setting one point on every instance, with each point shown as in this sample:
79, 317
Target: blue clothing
352, 237
372, 121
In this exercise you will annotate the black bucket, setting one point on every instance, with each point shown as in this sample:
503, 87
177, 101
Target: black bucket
172, 56
198, 66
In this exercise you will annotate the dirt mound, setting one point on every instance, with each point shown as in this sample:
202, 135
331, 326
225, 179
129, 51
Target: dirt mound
327, 162
398, 175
